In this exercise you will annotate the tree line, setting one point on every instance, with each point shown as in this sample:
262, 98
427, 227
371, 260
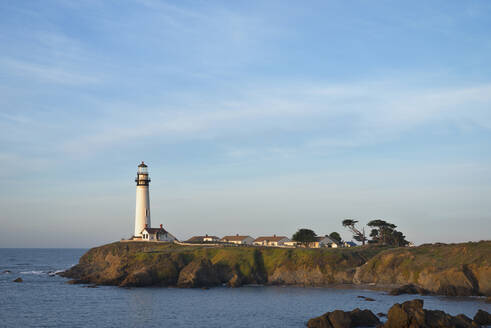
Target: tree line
382, 233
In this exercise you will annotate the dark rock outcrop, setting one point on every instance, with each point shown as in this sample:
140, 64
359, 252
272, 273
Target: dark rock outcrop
18, 280
138, 278
411, 314
482, 318
6, 271
342, 319
409, 289
199, 273
76, 282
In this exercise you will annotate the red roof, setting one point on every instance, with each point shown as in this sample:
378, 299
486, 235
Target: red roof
154, 230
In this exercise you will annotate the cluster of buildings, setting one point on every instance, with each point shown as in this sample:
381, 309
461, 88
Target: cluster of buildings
269, 241
144, 232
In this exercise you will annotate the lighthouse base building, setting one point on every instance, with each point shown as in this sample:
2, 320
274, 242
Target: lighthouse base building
157, 234
143, 230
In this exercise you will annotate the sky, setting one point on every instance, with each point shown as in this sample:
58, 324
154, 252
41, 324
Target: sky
255, 117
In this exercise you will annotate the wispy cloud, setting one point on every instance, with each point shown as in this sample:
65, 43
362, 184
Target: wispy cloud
46, 73
369, 113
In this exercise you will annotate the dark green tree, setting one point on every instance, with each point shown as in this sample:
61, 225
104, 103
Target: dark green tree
357, 234
304, 236
385, 233
335, 236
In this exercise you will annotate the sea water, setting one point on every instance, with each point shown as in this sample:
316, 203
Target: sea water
45, 300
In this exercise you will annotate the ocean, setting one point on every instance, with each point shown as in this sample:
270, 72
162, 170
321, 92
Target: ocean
46, 300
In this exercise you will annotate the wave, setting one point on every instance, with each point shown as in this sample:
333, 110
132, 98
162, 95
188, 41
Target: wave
32, 272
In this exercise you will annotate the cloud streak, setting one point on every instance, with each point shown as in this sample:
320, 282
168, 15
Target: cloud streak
371, 113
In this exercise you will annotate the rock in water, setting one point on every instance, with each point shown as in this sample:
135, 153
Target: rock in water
409, 289
6, 271
342, 319
482, 318
18, 280
362, 318
411, 314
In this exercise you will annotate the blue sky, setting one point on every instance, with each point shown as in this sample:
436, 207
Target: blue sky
254, 117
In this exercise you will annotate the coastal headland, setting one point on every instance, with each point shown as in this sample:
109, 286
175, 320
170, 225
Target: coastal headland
447, 269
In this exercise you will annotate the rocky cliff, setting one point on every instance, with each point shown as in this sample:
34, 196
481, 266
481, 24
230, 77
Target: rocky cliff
446, 269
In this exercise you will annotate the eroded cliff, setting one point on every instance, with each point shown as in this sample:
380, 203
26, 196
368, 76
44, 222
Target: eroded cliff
458, 269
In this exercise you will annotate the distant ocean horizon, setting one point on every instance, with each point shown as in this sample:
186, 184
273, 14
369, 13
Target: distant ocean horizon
45, 300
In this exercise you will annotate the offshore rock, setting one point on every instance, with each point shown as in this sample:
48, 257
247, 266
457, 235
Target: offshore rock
411, 314
18, 280
343, 319
409, 289
482, 318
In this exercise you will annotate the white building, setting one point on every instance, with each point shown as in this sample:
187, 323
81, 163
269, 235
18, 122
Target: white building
291, 243
203, 239
238, 240
271, 241
324, 241
157, 234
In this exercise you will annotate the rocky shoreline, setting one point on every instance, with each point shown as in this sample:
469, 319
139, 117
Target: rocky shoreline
454, 269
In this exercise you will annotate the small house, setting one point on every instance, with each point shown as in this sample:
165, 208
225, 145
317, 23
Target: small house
324, 241
203, 239
157, 234
291, 243
238, 240
274, 241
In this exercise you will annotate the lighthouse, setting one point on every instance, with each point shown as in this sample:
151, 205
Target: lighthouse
142, 211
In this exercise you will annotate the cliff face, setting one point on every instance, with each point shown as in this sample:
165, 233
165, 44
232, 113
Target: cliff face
462, 269
455, 269
143, 264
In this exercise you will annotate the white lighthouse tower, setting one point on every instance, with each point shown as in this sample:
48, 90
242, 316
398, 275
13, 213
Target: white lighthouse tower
142, 212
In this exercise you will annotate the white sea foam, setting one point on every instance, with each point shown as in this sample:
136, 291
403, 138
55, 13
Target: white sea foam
32, 272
